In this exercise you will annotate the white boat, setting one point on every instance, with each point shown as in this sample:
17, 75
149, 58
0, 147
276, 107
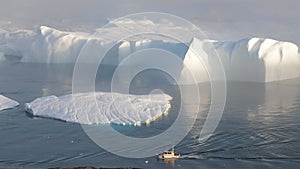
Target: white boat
168, 155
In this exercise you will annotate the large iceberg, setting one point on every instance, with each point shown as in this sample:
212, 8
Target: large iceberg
54, 46
259, 59
250, 59
102, 108
7, 103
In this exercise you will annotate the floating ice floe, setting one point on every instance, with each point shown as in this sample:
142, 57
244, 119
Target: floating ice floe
7, 103
102, 108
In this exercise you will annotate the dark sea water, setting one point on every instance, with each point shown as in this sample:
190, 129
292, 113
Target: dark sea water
260, 127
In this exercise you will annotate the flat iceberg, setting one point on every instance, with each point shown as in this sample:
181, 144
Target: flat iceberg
7, 103
102, 108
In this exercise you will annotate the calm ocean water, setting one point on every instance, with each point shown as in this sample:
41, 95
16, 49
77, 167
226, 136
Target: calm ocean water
259, 129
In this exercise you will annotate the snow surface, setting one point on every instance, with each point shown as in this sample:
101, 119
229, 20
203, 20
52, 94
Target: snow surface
102, 108
250, 59
7, 103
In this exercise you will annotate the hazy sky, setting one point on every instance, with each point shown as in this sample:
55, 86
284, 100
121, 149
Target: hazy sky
224, 19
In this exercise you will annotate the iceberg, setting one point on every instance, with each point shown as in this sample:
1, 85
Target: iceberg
259, 59
54, 46
15, 44
7, 103
102, 108
250, 59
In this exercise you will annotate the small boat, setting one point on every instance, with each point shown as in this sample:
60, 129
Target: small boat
168, 155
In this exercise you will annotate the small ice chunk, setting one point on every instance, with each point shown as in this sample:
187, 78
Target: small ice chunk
7, 103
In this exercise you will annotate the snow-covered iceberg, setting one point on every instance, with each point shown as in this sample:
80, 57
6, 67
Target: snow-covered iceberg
102, 108
7, 103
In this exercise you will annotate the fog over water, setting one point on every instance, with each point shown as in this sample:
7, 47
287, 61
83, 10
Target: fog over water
222, 20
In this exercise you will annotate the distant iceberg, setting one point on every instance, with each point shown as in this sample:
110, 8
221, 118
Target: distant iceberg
102, 108
250, 59
15, 44
7, 103
54, 46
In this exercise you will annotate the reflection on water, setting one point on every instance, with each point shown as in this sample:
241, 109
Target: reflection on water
34, 80
260, 126
261, 121
279, 97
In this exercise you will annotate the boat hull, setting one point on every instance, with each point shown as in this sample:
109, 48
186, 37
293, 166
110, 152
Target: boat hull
167, 156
